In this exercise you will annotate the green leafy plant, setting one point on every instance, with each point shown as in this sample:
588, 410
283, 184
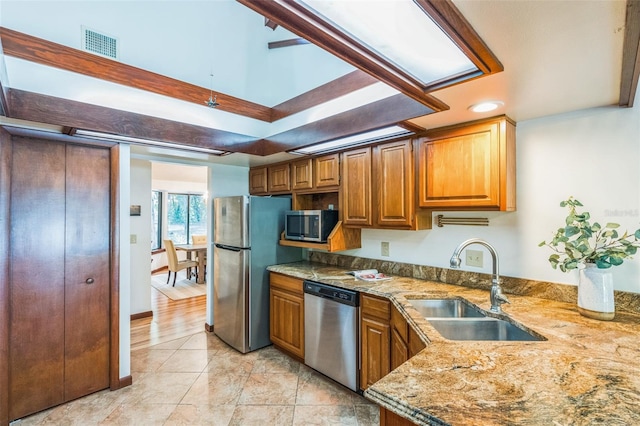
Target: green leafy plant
580, 242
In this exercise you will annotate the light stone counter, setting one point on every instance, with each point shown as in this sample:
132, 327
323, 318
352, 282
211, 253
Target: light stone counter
587, 371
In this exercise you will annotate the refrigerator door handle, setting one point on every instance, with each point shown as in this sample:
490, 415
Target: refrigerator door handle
222, 246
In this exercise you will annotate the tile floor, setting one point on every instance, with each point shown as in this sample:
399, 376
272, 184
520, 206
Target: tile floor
199, 380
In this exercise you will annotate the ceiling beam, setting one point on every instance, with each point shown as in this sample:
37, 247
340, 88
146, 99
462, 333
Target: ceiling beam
56, 55
383, 113
630, 55
63, 112
341, 86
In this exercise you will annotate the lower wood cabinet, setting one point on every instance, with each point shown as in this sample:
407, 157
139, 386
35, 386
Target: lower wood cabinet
286, 320
389, 418
375, 339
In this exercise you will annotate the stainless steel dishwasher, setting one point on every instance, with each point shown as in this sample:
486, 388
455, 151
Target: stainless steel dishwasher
331, 332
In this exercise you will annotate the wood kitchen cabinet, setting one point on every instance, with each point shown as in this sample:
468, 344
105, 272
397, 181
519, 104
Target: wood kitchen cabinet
405, 342
356, 202
302, 174
286, 319
375, 339
389, 418
394, 177
468, 167
278, 178
326, 171
258, 181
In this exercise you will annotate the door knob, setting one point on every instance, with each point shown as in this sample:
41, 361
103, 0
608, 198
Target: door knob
90, 281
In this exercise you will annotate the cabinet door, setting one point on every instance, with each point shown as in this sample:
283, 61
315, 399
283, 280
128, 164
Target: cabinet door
469, 167
279, 179
286, 319
415, 344
356, 187
399, 350
302, 174
327, 171
374, 351
394, 181
258, 180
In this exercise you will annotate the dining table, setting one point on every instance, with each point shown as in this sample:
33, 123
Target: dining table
200, 250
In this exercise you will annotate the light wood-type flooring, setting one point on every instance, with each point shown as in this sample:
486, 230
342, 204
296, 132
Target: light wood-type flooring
183, 375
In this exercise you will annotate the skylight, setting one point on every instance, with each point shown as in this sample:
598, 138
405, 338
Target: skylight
399, 31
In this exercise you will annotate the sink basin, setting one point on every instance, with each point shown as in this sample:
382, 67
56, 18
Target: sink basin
481, 329
446, 308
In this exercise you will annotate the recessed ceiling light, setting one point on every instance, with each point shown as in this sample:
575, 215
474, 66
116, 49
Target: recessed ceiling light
486, 106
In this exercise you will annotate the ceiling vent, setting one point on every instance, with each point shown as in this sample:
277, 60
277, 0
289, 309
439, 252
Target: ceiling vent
98, 43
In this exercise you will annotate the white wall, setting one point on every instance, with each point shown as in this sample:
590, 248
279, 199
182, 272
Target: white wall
141, 229
125, 261
593, 155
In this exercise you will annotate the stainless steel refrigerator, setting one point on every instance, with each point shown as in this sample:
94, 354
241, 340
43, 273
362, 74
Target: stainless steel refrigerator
246, 231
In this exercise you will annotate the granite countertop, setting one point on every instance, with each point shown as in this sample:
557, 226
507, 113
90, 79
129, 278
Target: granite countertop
587, 371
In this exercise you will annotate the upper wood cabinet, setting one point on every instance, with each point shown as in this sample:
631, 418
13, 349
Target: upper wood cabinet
258, 180
356, 203
468, 167
279, 179
327, 171
393, 174
302, 174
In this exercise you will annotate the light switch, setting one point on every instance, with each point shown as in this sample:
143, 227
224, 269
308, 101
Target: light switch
134, 239
384, 248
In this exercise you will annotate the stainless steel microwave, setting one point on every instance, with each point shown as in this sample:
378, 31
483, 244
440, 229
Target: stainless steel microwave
309, 225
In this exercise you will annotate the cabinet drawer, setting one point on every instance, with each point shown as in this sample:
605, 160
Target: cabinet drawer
285, 282
375, 306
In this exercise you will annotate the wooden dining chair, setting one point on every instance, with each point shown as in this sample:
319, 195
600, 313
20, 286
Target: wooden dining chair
176, 265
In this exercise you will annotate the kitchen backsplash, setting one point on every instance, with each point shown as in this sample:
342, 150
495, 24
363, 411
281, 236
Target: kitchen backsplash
625, 301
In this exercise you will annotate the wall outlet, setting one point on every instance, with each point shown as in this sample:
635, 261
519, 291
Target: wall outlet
384, 248
133, 239
473, 258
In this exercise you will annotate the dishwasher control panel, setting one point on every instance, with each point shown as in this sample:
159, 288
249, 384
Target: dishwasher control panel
340, 295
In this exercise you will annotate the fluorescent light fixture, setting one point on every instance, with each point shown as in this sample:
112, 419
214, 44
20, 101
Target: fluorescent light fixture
486, 106
137, 141
401, 32
349, 141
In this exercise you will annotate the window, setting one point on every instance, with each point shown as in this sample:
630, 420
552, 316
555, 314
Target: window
186, 215
156, 220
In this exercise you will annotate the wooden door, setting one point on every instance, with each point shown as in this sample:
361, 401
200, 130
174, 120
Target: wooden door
356, 187
60, 228
36, 319
87, 271
395, 189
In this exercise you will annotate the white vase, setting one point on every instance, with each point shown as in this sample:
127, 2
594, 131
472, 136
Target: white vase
595, 293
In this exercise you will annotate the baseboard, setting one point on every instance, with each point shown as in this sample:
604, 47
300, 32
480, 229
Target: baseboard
123, 382
139, 315
208, 327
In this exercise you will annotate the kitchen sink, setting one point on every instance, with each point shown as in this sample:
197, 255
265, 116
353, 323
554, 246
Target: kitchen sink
486, 328
446, 308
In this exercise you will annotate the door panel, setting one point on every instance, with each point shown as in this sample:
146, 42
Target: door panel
230, 282
230, 225
87, 271
36, 336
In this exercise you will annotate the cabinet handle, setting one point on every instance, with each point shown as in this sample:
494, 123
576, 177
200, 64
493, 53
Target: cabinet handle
90, 281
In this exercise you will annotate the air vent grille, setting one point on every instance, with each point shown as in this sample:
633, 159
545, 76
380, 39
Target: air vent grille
102, 44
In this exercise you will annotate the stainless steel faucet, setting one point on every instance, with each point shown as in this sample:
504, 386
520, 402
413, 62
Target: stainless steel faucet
497, 298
